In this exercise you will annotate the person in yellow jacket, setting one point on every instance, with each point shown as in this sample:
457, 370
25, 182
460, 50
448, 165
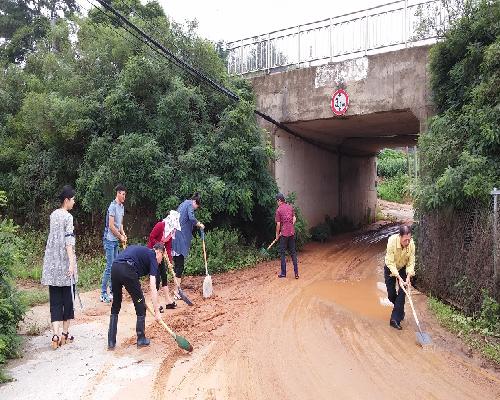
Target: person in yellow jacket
399, 267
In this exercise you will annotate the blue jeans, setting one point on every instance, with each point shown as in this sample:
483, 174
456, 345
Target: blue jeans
111, 250
288, 242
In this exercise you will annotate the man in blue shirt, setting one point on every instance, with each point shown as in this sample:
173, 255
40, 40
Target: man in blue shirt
132, 263
113, 232
182, 241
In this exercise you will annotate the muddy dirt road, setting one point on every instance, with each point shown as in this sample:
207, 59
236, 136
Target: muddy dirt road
323, 336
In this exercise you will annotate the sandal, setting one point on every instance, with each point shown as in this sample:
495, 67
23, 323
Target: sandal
171, 306
55, 342
66, 338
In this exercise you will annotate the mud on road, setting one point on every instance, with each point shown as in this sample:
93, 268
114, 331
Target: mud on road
323, 336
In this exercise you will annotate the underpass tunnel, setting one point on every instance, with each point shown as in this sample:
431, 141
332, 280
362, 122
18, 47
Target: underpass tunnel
331, 163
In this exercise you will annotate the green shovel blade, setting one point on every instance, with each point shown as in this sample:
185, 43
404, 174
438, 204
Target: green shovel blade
183, 343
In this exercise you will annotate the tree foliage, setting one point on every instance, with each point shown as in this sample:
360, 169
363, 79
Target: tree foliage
11, 307
460, 153
104, 109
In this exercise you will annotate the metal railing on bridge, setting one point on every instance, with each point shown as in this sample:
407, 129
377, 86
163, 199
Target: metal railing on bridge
382, 28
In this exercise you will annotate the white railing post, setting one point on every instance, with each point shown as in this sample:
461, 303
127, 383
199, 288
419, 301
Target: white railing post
405, 24
330, 39
298, 46
366, 34
241, 56
269, 58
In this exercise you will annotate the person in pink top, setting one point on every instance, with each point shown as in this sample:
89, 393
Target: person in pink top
285, 230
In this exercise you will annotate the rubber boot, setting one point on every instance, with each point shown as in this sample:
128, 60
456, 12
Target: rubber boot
139, 328
113, 324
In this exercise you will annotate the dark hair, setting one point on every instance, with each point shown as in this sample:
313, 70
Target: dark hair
404, 230
120, 188
159, 246
67, 193
197, 198
280, 197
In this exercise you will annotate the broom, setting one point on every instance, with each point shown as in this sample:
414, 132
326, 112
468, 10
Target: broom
180, 340
207, 282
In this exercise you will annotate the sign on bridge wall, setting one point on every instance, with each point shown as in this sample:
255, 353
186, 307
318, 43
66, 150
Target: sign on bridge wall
340, 102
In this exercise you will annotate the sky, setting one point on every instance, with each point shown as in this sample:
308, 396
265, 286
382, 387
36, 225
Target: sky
229, 20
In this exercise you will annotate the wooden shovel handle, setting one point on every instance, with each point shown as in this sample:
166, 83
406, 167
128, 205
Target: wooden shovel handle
272, 243
162, 323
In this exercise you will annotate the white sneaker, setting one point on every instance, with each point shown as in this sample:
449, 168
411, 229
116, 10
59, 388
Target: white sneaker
104, 298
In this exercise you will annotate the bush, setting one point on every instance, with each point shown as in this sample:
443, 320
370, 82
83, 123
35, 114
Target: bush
224, 252
395, 189
323, 231
459, 152
11, 307
391, 163
481, 332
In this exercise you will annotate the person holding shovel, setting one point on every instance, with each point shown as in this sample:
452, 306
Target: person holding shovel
59, 268
113, 232
132, 263
399, 267
285, 231
182, 241
164, 232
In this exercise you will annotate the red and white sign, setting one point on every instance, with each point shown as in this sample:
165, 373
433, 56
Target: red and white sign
340, 102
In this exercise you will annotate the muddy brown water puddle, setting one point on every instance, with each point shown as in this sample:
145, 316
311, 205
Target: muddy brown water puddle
366, 297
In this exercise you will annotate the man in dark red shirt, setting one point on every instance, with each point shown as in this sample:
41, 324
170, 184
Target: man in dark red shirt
285, 230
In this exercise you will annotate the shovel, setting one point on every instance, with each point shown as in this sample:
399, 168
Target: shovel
73, 294
180, 293
423, 338
264, 251
207, 282
180, 340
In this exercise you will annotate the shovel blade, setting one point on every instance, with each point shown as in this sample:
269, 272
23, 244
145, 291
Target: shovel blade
184, 298
423, 339
207, 287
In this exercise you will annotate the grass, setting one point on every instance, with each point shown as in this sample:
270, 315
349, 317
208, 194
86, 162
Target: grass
479, 333
395, 189
32, 297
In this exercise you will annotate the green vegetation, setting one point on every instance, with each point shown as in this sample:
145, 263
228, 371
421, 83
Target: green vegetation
392, 169
33, 297
12, 307
481, 332
322, 232
105, 109
396, 189
460, 151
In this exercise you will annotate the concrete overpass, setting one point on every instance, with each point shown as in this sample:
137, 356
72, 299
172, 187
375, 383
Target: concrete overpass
329, 160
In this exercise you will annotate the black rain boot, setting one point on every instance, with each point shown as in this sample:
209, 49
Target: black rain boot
113, 324
139, 328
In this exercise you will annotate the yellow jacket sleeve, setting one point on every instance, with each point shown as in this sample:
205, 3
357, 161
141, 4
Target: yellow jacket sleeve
410, 267
389, 256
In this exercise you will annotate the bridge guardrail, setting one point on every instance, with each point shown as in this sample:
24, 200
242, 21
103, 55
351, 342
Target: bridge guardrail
382, 28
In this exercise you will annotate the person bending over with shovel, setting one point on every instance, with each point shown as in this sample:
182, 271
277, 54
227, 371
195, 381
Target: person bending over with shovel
285, 231
132, 263
399, 267
182, 241
163, 232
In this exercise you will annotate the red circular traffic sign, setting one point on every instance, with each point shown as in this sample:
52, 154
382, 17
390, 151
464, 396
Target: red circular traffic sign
340, 102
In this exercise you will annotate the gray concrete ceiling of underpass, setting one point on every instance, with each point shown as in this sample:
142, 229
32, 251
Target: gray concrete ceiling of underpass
361, 134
